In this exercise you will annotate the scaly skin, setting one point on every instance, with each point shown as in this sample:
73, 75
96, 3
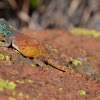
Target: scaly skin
28, 46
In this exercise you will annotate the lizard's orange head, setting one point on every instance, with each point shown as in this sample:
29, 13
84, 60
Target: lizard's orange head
5, 27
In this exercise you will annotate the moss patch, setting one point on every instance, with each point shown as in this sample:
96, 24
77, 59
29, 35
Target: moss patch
75, 62
83, 31
82, 92
6, 84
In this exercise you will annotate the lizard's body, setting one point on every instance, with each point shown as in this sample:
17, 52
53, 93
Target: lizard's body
28, 46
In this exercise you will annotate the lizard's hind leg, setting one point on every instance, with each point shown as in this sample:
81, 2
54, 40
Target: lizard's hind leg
40, 60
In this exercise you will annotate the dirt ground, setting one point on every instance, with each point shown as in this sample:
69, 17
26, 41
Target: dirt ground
22, 79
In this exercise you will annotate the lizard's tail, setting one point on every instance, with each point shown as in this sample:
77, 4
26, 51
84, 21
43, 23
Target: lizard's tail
58, 65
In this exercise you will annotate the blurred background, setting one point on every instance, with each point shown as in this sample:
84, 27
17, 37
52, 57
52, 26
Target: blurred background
52, 14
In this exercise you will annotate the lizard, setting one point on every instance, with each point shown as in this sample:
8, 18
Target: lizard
28, 46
